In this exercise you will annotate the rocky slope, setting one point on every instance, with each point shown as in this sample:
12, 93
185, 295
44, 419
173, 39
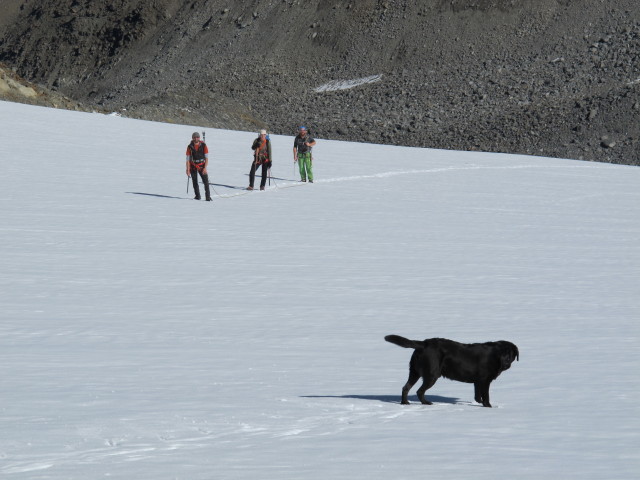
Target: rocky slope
551, 77
14, 88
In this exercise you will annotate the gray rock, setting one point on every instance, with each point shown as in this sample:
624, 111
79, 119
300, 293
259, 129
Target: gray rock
522, 77
607, 142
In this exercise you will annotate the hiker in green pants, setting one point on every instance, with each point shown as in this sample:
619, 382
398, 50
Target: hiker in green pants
302, 145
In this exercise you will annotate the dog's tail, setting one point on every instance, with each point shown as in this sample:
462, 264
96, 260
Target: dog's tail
404, 342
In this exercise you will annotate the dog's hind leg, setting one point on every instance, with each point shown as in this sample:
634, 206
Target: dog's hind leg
427, 383
413, 378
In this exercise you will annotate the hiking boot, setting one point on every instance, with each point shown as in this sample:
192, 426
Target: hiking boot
249, 188
261, 188
303, 180
197, 197
310, 181
208, 199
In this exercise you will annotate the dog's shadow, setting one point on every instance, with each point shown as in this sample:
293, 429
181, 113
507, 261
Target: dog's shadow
390, 398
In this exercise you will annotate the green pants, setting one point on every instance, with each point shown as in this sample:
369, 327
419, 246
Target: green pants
306, 167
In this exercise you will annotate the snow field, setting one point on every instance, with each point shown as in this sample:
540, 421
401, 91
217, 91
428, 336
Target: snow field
146, 335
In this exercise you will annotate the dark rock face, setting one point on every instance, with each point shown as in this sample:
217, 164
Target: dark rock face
550, 77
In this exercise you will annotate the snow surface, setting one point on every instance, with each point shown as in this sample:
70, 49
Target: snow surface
145, 335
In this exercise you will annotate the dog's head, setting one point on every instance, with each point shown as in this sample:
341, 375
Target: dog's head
508, 353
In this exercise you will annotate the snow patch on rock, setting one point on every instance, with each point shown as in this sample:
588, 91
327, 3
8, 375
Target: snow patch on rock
335, 85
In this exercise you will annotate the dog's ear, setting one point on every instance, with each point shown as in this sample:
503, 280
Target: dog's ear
515, 354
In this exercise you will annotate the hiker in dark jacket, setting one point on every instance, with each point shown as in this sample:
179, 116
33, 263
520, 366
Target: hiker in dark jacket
197, 161
261, 156
302, 145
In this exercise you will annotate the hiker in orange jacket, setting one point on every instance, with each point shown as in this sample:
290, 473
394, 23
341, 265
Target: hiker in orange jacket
197, 161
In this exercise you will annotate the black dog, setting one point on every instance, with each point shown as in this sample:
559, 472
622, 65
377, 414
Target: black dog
477, 363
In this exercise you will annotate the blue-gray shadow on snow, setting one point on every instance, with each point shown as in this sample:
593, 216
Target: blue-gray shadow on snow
157, 195
234, 187
390, 398
274, 178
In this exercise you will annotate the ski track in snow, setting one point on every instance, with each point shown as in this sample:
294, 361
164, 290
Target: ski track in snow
280, 185
437, 170
337, 417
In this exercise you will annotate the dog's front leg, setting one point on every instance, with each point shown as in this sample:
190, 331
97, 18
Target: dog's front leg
482, 393
477, 396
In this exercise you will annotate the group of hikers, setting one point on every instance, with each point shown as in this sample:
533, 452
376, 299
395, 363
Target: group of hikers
198, 159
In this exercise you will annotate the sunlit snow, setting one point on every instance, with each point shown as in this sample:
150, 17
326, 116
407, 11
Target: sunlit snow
145, 335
